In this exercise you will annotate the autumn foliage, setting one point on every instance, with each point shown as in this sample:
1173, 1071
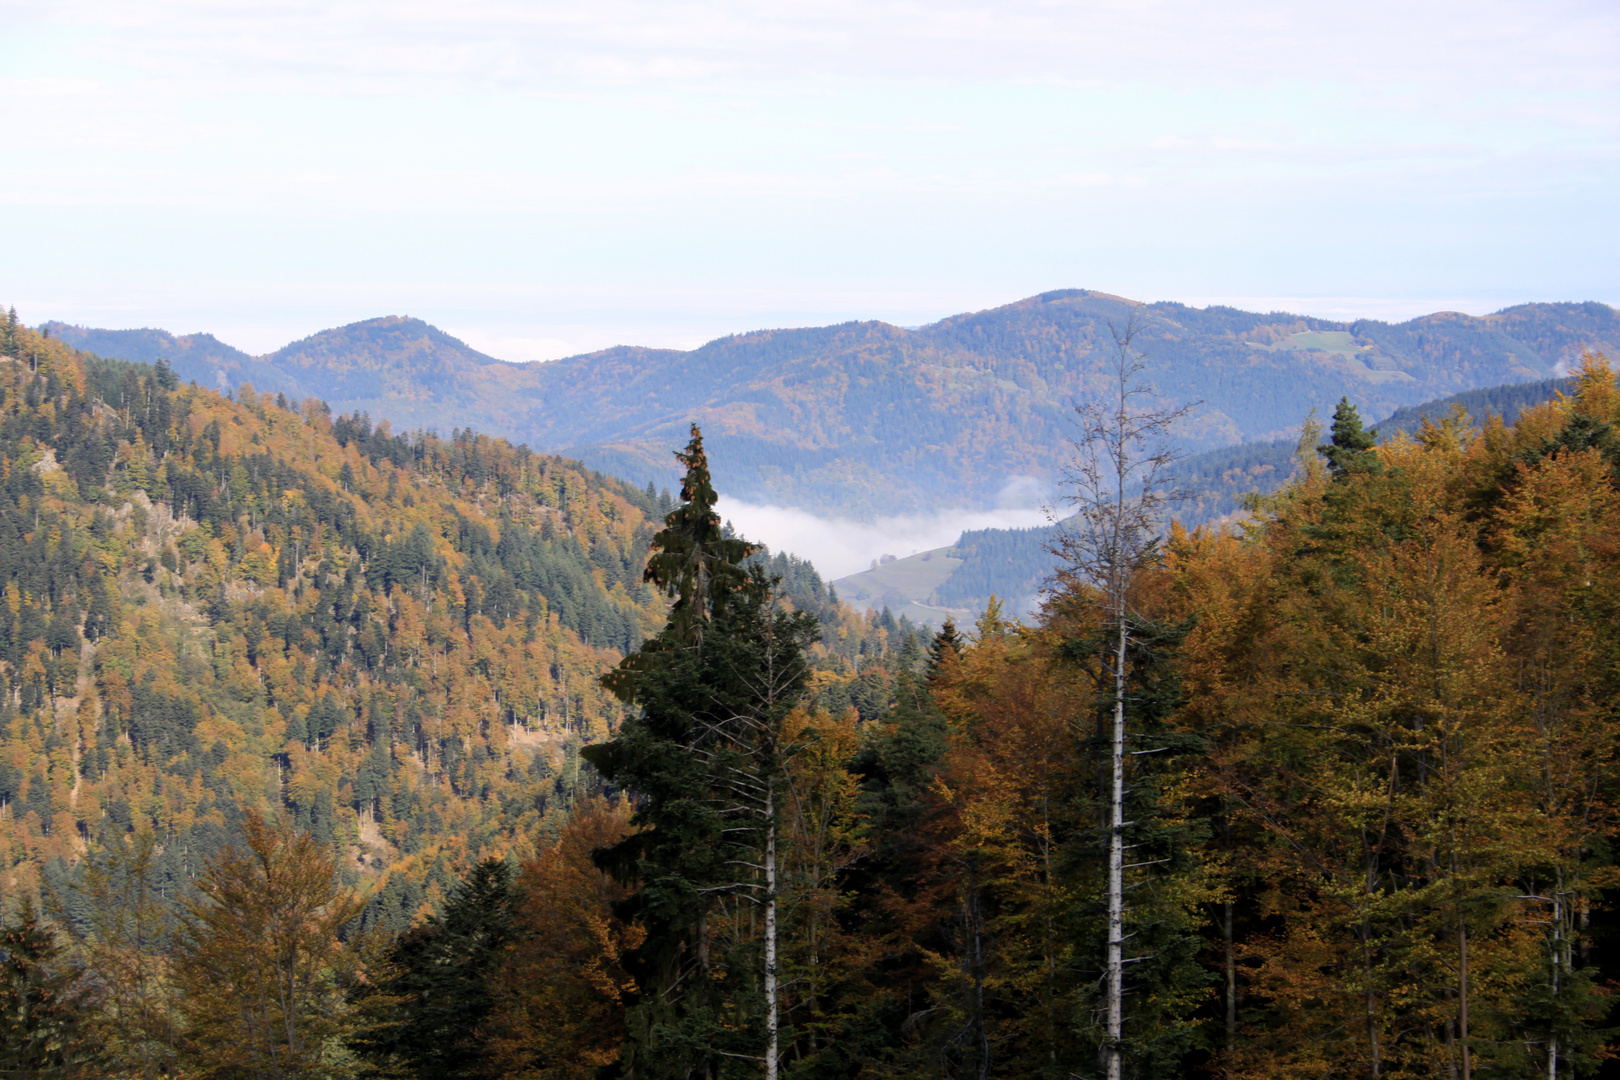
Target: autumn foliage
293, 766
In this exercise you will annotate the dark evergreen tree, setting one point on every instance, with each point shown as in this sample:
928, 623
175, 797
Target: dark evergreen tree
947, 641
441, 982
41, 1004
712, 689
1350, 450
693, 559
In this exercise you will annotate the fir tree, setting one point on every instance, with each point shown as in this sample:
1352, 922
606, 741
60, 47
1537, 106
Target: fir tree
41, 1006
693, 559
443, 967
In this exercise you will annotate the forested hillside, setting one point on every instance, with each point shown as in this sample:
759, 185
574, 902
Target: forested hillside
1017, 564
265, 663
868, 418
216, 605
1369, 778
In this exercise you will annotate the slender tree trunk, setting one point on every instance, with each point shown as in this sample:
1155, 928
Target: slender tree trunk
771, 1015
1557, 969
976, 913
1231, 979
1371, 996
1116, 867
1462, 986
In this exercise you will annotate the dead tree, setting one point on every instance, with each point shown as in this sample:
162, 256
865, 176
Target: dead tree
1118, 484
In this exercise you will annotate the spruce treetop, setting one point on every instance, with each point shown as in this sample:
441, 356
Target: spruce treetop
1351, 448
693, 560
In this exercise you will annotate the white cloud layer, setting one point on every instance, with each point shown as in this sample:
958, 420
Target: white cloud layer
416, 45
841, 546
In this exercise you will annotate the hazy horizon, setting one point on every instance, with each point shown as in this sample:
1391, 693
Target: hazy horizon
547, 179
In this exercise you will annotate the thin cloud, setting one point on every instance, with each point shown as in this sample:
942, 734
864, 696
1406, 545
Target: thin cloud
488, 43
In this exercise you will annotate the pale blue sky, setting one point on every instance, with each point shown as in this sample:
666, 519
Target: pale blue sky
546, 178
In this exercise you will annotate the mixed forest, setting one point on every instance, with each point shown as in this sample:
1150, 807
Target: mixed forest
336, 753
1018, 564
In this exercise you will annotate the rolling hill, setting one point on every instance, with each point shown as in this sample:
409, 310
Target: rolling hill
866, 418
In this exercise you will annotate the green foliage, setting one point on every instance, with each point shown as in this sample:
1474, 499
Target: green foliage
693, 561
42, 1029
1350, 450
440, 990
712, 688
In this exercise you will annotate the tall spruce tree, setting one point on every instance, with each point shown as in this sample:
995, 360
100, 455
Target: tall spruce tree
1350, 449
441, 982
705, 757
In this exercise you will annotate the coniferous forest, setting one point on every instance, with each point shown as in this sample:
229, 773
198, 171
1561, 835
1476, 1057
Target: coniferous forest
330, 752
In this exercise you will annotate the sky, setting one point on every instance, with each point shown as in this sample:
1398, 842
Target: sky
544, 178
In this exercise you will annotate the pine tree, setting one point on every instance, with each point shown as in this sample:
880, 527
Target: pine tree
693, 559
42, 1030
946, 643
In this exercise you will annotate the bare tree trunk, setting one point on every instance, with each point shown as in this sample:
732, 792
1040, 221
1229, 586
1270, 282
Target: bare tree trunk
1462, 986
1119, 482
1116, 867
1231, 980
1557, 968
771, 1014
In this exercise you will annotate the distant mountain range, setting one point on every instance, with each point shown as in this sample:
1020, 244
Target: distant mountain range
865, 418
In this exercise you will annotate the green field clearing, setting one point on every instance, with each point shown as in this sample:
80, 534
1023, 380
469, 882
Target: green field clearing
1329, 341
898, 582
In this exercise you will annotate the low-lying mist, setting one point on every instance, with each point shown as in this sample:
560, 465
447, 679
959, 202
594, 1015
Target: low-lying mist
841, 546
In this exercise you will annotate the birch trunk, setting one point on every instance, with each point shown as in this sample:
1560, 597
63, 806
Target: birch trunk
771, 1013
1116, 867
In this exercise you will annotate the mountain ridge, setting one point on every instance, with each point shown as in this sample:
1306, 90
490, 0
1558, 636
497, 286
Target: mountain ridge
865, 417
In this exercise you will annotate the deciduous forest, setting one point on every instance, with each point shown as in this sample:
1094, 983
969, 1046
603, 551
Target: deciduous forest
336, 753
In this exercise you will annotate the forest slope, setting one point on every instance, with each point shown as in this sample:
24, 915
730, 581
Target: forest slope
215, 605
